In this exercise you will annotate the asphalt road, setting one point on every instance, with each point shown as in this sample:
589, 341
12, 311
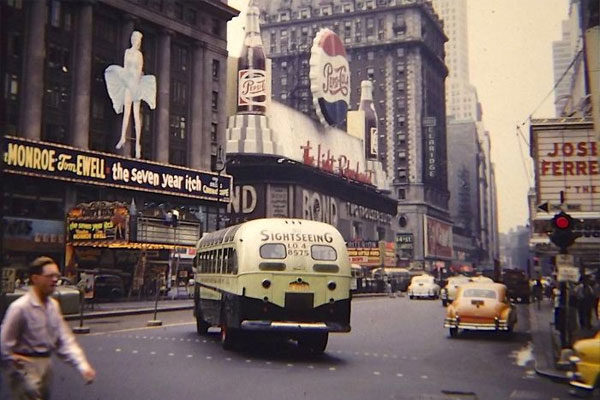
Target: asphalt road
397, 349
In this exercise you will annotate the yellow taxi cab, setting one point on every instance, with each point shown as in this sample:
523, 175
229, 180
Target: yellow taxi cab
585, 364
481, 306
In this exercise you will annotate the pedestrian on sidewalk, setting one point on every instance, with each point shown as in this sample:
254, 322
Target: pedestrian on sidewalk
585, 302
33, 329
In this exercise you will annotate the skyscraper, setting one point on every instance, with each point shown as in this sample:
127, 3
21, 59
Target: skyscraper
461, 96
399, 46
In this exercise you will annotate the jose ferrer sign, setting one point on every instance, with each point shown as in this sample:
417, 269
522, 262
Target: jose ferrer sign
49, 160
566, 159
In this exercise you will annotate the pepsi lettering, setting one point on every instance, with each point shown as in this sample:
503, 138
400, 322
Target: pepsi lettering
252, 76
367, 105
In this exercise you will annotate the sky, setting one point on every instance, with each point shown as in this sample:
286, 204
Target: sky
510, 61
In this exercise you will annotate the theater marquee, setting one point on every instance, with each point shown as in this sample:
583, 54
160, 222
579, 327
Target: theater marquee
54, 161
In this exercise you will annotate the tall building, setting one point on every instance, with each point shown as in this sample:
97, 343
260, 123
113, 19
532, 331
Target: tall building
465, 112
399, 46
67, 191
562, 55
461, 96
569, 55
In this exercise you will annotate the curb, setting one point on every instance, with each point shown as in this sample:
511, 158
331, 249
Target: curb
553, 375
135, 311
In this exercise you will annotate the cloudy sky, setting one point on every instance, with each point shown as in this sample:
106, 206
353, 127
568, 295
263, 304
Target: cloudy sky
510, 50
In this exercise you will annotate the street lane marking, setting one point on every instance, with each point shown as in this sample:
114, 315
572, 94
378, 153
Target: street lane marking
376, 373
399, 375
141, 328
118, 350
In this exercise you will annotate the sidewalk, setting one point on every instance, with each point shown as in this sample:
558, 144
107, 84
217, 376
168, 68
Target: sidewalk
101, 310
546, 340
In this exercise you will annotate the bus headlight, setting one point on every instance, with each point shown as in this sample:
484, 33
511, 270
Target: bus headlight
266, 283
331, 285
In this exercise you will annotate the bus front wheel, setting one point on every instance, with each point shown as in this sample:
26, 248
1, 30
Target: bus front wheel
314, 343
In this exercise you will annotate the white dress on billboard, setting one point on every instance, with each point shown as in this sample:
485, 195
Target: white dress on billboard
127, 87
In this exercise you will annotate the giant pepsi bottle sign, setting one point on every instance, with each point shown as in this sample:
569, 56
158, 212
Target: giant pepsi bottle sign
329, 77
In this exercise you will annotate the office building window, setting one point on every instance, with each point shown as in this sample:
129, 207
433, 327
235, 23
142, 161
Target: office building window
215, 69
214, 100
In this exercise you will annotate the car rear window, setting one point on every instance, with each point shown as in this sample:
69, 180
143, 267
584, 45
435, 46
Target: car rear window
482, 293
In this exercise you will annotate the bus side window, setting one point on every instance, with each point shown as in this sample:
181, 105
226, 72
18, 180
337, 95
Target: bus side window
233, 262
220, 256
213, 261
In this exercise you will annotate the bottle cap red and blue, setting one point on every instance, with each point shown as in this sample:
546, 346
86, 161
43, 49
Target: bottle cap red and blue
330, 77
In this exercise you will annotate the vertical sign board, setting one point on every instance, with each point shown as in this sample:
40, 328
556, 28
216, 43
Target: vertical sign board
565, 265
566, 160
7, 280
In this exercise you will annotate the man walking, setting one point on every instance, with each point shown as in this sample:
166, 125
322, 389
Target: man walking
33, 329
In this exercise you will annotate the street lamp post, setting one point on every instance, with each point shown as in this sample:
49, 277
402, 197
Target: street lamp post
219, 166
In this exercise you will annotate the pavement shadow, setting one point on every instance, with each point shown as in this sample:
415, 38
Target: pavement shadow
483, 336
273, 348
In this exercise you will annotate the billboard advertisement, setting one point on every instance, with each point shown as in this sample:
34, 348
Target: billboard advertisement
438, 238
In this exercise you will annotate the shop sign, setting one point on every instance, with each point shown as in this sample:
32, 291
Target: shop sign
279, 201
388, 253
404, 241
98, 221
566, 164
438, 238
430, 147
335, 164
330, 77
36, 230
368, 214
319, 207
54, 161
364, 252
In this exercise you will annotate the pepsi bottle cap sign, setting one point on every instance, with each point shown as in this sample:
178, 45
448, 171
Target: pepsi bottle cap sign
329, 77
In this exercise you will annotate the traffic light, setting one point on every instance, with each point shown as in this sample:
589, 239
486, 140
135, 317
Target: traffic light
562, 231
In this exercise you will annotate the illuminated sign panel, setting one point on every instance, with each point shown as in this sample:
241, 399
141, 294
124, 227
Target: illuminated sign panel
54, 161
329, 77
566, 159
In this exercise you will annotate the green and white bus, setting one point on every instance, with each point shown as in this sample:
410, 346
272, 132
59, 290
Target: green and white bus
288, 277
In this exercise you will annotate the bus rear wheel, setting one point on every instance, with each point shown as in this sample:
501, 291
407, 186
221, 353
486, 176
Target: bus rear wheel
314, 343
229, 337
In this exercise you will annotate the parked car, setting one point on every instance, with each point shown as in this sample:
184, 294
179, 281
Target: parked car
448, 292
423, 286
66, 294
108, 287
585, 365
481, 306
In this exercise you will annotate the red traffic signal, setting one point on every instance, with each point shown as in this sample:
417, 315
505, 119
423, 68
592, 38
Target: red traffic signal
562, 221
562, 231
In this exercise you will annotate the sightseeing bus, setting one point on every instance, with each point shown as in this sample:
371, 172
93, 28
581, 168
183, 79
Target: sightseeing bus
286, 277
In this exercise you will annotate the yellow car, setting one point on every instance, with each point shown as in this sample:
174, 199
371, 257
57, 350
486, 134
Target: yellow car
585, 364
481, 306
